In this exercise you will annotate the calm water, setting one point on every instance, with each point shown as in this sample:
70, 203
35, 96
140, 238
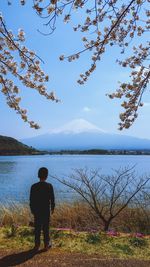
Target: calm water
18, 173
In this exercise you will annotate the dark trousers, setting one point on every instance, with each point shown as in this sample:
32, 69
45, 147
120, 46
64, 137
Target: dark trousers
41, 223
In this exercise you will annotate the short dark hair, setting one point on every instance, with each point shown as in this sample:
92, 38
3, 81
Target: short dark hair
43, 173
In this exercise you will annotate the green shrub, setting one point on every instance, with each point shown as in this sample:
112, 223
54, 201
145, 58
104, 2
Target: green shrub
11, 231
138, 242
124, 248
93, 238
26, 231
57, 234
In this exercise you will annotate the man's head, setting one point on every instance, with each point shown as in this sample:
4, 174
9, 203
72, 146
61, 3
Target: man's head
43, 173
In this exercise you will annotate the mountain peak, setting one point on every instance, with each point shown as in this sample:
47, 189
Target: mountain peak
77, 126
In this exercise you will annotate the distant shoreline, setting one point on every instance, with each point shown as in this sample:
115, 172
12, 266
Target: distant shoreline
30, 154
12, 147
93, 152
100, 152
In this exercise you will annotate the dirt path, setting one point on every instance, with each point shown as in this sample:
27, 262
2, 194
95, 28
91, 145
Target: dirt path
56, 258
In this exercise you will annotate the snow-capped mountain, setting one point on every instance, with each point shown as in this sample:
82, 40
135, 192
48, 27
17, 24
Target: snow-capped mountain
81, 134
77, 126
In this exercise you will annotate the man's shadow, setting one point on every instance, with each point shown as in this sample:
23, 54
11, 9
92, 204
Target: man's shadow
18, 258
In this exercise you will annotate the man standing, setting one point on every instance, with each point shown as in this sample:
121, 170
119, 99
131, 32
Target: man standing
42, 204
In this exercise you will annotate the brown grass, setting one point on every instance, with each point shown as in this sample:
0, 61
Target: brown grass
79, 216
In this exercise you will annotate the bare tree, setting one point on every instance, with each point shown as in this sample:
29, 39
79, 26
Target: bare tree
107, 195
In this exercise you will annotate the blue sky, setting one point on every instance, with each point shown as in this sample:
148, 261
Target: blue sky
88, 102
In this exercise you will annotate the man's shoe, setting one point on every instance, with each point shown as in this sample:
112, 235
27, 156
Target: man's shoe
47, 247
36, 248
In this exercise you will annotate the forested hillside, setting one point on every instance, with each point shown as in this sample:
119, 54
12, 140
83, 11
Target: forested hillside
10, 146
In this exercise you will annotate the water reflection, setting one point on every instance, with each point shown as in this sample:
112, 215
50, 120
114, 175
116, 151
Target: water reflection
6, 167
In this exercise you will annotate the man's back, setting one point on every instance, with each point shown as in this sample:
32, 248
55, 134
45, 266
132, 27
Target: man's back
41, 201
41, 198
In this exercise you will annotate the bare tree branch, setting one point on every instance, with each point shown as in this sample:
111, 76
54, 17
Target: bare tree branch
107, 199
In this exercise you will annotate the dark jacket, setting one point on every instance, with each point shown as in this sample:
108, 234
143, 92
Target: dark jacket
42, 199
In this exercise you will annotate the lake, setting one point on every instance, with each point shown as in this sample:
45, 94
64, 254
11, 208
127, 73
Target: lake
18, 173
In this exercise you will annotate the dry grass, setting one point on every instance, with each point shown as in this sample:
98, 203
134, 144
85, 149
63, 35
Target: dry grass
15, 214
78, 216
72, 248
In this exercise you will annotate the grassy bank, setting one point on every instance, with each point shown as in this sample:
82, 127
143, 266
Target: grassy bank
75, 229
110, 245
